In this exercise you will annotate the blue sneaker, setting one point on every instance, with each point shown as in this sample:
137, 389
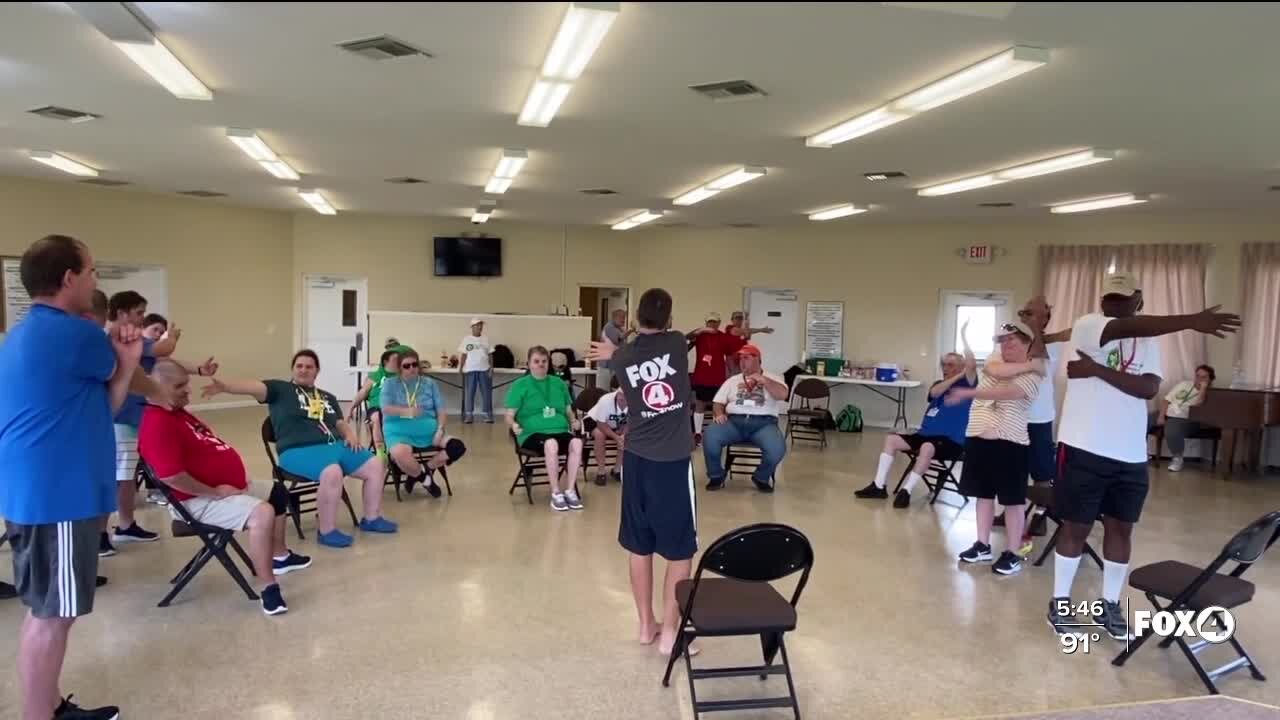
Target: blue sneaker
292, 561
334, 538
379, 525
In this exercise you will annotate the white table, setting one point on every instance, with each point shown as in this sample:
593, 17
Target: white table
899, 397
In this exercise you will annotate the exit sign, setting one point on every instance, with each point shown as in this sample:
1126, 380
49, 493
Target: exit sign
978, 254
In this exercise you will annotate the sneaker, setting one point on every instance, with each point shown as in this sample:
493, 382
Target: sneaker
292, 561
713, 485
429, 482
601, 479
871, 492
764, 487
617, 476
409, 482
1008, 564
133, 533
466, 421
558, 502
68, 710
7, 591
1027, 547
697, 440
488, 421
273, 601
1175, 465
902, 499
99, 581
574, 502
1112, 620
976, 554
1061, 618
105, 548
155, 498
335, 538
379, 525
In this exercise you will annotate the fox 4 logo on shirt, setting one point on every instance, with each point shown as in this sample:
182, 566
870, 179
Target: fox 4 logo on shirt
1213, 624
657, 395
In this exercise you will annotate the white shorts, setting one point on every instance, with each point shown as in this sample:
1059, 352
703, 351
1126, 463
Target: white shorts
126, 452
228, 513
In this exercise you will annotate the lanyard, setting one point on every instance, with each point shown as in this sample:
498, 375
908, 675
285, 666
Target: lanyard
317, 399
1133, 351
546, 397
412, 397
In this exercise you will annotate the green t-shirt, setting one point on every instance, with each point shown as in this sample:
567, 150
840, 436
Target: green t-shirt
374, 401
288, 405
531, 398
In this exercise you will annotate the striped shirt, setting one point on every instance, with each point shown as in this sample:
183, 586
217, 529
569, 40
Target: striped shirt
1003, 419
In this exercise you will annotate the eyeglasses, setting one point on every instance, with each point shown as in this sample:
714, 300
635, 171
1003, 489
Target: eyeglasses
408, 365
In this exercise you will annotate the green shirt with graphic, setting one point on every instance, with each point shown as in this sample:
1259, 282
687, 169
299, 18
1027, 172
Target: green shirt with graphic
531, 398
288, 404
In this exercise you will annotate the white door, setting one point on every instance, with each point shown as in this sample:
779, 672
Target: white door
336, 309
983, 311
777, 309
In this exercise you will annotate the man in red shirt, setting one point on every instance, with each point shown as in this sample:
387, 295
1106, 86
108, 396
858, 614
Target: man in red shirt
711, 346
208, 477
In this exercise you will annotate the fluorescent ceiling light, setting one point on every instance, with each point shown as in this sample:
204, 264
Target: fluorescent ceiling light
1069, 161
979, 76
509, 165
63, 163
715, 187
639, 218
254, 147
482, 213
497, 186
316, 201
583, 27
838, 211
1101, 203
545, 98
166, 69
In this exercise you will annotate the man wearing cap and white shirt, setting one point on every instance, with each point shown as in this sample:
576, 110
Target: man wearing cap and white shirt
476, 366
746, 411
1103, 439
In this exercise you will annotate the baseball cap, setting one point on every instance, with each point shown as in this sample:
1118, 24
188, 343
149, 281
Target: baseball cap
713, 316
476, 321
749, 349
1119, 283
1016, 326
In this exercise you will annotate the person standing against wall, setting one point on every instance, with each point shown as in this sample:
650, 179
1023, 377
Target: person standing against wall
476, 367
615, 331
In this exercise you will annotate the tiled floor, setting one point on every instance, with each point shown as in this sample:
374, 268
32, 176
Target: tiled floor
484, 608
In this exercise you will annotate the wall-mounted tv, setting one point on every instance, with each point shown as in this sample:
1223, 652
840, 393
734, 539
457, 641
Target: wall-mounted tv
468, 257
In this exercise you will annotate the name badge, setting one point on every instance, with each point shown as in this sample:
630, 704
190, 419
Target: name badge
749, 402
932, 412
315, 409
548, 412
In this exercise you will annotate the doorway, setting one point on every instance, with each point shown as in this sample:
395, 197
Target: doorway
599, 301
336, 310
983, 310
777, 309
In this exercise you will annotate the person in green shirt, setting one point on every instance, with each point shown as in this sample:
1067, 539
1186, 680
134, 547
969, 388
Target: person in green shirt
371, 394
540, 414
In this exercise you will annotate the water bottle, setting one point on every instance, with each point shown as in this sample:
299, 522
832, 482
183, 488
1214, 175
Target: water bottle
1237, 376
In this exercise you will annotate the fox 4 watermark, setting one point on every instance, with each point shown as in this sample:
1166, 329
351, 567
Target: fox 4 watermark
1213, 624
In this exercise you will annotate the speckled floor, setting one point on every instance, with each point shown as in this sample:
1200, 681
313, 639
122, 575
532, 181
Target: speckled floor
485, 608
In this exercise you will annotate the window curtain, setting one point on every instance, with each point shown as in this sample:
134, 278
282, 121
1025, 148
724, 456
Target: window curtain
1071, 280
1258, 349
1172, 282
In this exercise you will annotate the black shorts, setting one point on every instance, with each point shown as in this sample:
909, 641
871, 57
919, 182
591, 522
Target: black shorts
1091, 485
535, 441
705, 393
995, 469
55, 566
1044, 452
944, 448
659, 510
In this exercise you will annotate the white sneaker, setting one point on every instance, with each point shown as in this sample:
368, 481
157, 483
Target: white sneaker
1176, 464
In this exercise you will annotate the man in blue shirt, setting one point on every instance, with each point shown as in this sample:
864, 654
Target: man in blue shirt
941, 434
63, 379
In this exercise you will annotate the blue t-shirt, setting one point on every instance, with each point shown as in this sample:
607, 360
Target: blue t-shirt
57, 447
426, 395
130, 412
947, 420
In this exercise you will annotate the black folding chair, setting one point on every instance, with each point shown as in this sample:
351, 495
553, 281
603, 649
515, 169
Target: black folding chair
302, 491
1041, 495
422, 454
582, 405
742, 602
532, 465
214, 543
940, 476
1187, 587
806, 419
743, 458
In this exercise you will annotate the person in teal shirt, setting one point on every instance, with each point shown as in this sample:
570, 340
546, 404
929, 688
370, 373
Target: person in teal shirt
371, 394
414, 418
540, 414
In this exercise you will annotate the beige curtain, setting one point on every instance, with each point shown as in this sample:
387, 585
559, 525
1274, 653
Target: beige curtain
1071, 280
1258, 353
1172, 282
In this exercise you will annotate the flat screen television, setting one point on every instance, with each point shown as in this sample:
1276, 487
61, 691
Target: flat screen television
468, 257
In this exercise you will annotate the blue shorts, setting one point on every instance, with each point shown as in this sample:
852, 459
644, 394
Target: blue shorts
309, 461
1043, 455
659, 513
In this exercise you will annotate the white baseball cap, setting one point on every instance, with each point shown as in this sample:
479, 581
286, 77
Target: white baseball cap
1119, 283
713, 316
476, 321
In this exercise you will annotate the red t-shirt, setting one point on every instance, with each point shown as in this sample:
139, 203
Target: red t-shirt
174, 441
710, 350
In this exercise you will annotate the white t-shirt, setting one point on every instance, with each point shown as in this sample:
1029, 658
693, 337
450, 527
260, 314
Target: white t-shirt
1097, 417
738, 400
475, 352
607, 412
1181, 398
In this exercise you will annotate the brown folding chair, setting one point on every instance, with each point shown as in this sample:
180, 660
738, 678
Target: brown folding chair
582, 405
1041, 495
806, 419
302, 491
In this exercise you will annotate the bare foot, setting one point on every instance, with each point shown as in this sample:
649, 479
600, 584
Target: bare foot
649, 633
664, 647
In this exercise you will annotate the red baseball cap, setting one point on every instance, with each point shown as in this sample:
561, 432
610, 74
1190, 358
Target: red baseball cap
749, 349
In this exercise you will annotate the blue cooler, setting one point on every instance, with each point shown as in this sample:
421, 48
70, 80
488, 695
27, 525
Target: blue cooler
887, 372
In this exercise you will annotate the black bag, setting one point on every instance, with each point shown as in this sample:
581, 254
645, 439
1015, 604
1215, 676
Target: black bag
503, 357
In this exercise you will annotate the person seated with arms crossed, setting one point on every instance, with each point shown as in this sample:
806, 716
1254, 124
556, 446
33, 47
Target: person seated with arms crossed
316, 444
370, 394
997, 446
414, 417
607, 420
941, 433
1175, 413
540, 412
208, 477
746, 411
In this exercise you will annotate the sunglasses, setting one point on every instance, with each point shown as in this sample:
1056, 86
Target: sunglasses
405, 365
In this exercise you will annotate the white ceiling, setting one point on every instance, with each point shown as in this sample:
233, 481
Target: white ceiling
1188, 93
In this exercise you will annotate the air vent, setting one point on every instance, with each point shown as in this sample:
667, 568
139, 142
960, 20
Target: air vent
383, 47
742, 225
885, 175
996, 204
406, 181
598, 191
202, 193
105, 182
729, 91
53, 112
673, 224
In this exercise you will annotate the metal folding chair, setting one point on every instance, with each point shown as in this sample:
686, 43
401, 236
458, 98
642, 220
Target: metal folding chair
531, 465
940, 476
806, 418
302, 491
